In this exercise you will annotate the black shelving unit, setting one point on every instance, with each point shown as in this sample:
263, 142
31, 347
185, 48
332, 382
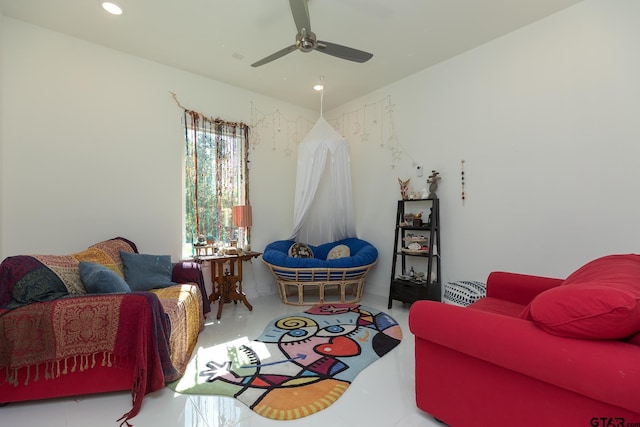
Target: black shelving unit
426, 232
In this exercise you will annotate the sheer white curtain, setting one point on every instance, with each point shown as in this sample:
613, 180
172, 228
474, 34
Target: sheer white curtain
323, 210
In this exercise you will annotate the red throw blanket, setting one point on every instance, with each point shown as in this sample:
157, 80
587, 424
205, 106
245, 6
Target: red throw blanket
49, 327
129, 331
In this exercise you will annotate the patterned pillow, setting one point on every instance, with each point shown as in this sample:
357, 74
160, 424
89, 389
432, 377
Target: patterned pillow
463, 292
66, 267
29, 281
300, 250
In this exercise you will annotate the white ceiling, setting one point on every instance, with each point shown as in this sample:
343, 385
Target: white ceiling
220, 39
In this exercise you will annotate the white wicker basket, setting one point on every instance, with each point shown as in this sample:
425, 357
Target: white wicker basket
463, 292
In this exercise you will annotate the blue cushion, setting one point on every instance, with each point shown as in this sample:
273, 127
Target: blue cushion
144, 272
98, 279
362, 253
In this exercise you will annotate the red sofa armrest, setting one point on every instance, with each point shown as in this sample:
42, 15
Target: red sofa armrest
519, 345
518, 288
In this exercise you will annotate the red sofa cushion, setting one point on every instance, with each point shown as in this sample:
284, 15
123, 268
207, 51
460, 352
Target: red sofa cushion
624, 269
588, 310
497, 306
598, 301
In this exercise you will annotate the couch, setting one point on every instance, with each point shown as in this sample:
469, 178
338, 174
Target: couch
339, 266
104, 319
536, 351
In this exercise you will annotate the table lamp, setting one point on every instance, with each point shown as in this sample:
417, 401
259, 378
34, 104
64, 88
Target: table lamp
241, 217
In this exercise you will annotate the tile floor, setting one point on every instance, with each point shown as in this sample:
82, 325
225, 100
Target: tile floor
382, 395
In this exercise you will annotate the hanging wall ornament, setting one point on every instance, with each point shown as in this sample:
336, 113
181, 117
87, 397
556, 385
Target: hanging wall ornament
364, 135
269, 127
462, 179
371, 123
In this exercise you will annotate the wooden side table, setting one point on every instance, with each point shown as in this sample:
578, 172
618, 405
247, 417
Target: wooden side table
227, 282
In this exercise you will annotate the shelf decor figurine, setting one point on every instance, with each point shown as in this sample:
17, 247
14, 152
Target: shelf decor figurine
404, 188
433, 184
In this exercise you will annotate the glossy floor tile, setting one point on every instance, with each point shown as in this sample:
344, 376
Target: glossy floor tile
381, 395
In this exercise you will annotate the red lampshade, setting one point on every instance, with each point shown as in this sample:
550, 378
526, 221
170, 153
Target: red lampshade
241, 216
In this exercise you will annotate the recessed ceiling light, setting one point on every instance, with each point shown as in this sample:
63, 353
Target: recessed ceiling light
320, 85
112, 8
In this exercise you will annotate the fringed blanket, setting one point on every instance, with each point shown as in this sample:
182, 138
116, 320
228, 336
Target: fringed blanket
50, 328
52, 339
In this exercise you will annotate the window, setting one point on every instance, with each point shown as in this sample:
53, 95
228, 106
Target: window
216, 179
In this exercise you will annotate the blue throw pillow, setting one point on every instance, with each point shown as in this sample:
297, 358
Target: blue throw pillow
145, 272
98, 279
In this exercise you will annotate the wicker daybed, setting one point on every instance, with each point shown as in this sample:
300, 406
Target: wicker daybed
316, 278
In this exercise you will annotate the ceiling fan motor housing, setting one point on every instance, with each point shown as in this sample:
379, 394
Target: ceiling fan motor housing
306, 42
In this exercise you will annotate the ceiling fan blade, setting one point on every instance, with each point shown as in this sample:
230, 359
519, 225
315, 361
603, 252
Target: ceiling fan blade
300, 11
275, 56
306, 40
343, 52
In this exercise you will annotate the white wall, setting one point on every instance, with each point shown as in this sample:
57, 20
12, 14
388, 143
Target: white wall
93, 145
546, 119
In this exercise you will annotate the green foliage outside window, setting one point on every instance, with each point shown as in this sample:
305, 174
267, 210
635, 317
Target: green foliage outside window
216, 179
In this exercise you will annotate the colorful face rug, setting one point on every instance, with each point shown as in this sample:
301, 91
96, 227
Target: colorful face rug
301, 363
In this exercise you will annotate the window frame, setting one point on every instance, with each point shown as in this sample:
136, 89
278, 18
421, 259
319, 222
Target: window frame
220, 151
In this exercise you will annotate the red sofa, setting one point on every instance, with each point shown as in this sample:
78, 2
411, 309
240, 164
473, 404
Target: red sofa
536, 351
56, 343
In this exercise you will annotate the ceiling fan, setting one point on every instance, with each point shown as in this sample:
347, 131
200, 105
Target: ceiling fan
306, 40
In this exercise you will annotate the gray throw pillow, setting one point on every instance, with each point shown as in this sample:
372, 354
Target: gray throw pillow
144, 272
98, 279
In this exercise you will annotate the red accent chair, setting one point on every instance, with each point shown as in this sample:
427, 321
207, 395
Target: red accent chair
536, 351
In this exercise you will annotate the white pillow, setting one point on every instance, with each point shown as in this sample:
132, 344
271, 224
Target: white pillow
339, 251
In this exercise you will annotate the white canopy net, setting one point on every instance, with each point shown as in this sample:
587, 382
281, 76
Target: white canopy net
323, 211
